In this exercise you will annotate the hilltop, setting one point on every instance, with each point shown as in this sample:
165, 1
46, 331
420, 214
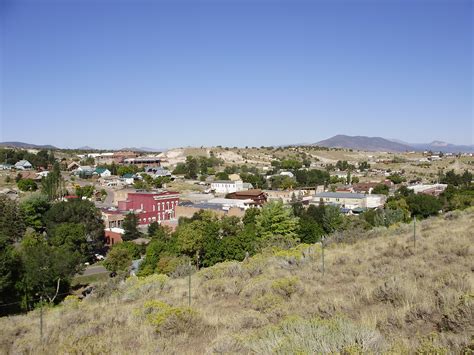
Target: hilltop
390, 145
378, 294
364, 143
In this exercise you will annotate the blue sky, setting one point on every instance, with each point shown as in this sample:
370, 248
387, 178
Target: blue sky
112, 74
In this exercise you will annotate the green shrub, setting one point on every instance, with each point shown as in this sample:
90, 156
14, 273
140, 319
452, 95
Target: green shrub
266, 302
286, 286
168, 319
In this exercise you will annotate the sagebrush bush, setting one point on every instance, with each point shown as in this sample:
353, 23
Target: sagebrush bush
286, 286
298, 335
168, 319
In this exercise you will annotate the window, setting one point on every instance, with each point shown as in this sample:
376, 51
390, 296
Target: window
158, 205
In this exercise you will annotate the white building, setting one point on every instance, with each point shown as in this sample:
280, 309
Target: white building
432, 189
350, 200
227, 186
23, 165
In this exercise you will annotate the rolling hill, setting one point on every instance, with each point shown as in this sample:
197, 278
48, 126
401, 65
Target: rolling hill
390, 145
364, 143
378, 294
23, 145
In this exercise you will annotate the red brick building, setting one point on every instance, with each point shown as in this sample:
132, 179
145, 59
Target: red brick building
151, 206
113, 236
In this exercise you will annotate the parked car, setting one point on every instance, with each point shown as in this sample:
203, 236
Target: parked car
99, 257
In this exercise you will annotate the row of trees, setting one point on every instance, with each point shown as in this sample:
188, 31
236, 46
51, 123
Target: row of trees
42, 246
42, 159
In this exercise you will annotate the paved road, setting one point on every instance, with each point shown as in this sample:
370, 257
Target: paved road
94, 270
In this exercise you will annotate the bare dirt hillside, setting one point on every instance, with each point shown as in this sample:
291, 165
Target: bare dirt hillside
379, 294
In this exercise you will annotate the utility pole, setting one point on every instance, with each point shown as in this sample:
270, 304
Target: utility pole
414, 232
189, 285
41, 319
322, 253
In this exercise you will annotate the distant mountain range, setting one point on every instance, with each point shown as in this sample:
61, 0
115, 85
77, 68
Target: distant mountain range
23, 145
339, 141
390, 145
26, 145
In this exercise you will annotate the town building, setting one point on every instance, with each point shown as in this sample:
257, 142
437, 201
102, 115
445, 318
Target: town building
288, 196
433, 189
349, 200
188, 209
157, 171
256, 195
143, 161
113, 236
229, 186
23, 165
129, 178
151, 206
103, 172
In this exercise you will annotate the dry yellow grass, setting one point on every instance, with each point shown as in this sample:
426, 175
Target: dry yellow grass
378, 295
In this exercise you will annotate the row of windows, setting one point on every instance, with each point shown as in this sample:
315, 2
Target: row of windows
161, 216
163, 205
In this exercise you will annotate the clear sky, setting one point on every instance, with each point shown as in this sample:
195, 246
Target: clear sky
112, 74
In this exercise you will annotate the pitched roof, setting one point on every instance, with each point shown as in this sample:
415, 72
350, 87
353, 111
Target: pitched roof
23, 163
253, 192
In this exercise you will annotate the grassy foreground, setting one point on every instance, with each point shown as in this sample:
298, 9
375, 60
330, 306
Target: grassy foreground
377, 295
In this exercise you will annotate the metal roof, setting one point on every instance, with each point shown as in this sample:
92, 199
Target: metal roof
339, 195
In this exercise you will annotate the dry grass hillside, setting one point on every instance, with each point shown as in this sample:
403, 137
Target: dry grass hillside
377, 295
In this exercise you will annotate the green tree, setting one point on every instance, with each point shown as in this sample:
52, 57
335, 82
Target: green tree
423, 205
153, 228
80, 212
53, 184
130, 226
73, 237
332, 218
118, 260
222, 176
46, 270
33, 209
12, 225
85, 191
276, 219
27, 185
381, 189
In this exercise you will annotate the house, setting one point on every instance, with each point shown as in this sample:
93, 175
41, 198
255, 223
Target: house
228, 186
367, 187
433, 189
256, 195
157, 171
23, 165
287, 173
151, 206
73, 166
113, 236
6, 167
188, 209
143, 161
112, 218
288, 196
85, 171
129, 179
103, 172
349, 200
42, 174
